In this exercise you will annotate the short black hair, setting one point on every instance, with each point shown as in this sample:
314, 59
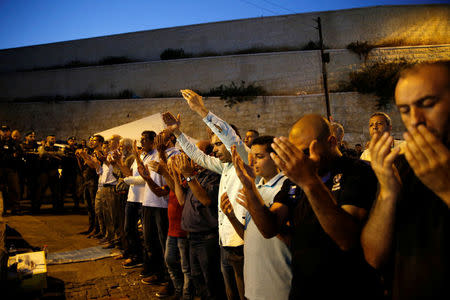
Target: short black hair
100, 138
265, 140
254, 131
29, 133
150, 134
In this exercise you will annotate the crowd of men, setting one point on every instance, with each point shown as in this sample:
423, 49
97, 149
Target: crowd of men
264, 217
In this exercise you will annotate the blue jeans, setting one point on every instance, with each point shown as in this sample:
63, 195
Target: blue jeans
132, 215
204, 258
177, 260
232, 266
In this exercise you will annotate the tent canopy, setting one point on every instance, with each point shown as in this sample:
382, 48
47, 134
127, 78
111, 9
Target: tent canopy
134, 129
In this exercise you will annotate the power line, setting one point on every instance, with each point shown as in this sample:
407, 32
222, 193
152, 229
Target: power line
275, 4
263, 8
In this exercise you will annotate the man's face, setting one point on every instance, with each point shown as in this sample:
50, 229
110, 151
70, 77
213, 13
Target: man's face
423, 98
249, 138
263, 165
15, 135
30, 138
220, 150
7, 133
358, 148
323, 148
378, 124
146, 143
113, 144
71, 142
51, 140
95, 142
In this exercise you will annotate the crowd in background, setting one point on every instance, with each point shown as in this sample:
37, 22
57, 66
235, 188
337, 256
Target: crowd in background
264, 217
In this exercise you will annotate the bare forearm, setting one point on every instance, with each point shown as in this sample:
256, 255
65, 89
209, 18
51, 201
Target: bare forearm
179, 193
169, 180
156, 189
199, 192
238, 226
378, 233
342, 227
124, 169
266, 221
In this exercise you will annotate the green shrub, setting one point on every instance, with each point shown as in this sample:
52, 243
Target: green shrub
233, 93
378, 78
174, 54
361, 48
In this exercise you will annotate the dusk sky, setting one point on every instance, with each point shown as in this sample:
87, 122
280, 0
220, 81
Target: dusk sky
32, 22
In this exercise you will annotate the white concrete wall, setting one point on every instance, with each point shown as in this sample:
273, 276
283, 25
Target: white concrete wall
415, 25
282, 73
269, 115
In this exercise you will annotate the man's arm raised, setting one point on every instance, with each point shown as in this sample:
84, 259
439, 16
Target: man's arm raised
268, 220
378, 233
222, 129
430, 161
206, 161
342, 224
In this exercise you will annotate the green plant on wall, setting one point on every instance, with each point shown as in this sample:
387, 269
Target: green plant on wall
361, 48
378, 78
233, 94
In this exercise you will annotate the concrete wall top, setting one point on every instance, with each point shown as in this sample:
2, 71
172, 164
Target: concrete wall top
424, 24
280, 73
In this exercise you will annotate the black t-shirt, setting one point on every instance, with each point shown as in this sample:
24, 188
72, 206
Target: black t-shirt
11, 154
422, 248
320, 268
196, 217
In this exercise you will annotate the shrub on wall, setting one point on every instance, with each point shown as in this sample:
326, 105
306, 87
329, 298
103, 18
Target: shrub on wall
378, 78
174, 54
233, 93
361, 48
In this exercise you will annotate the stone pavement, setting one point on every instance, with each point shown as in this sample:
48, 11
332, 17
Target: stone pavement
100, 279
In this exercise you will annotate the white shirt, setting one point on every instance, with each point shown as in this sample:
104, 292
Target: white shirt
366, 154
229, 182
150, 199
137, 184
267, 262
106, 176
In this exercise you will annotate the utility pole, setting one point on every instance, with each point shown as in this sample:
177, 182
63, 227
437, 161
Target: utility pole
325, 58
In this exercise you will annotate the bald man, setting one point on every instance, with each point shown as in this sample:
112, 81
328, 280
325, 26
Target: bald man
409, 226
326, 200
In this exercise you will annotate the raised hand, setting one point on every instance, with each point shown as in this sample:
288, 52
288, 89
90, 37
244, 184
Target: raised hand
242, 199
136, 154
173, 170
382, 162
185, 165
299, 166
245, 173
195, 102
225, 205
158, 167
172, 123
430, 160
144, 171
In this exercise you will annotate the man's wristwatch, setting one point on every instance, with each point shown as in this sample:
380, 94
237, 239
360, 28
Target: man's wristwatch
190, 178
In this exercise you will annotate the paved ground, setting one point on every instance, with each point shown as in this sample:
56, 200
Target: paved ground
101, 279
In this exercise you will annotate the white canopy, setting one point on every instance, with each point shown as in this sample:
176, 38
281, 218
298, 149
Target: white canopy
134, 129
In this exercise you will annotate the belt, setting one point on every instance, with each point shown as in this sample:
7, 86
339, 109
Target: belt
108, 185
202, 234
